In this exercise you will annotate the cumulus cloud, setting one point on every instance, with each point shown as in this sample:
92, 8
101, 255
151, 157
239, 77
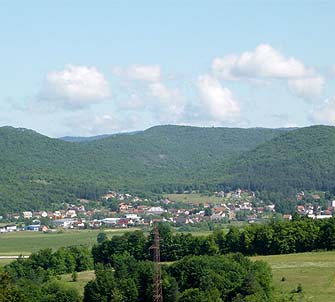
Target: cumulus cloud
309, 88
267, 63
263, 62
325, 114
75, 87
151, 93
160, 91
149, 73
216, 100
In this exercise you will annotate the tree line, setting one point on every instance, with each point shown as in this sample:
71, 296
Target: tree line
35, 279
302, 234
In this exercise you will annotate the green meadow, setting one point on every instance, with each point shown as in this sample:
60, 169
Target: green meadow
82, 279
315, 272
196, 198
25, 243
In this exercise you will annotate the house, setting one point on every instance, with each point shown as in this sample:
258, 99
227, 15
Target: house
33, 227
71, 213
133, 217
44, 228
27, 214
110, 222
65, 223
110, 194
300, 209
323, 216
270, 208
123, 207
57, 215
37, 214
11, 228
155, 210
15, 216
218, 216
123, 222
182, 220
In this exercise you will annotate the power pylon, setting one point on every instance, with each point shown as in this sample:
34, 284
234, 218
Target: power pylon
157, 295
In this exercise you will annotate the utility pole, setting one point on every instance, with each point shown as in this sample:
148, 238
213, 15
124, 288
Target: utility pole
157, 295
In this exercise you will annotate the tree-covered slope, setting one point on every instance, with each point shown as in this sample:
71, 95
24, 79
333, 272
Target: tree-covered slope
37, 171
300, 159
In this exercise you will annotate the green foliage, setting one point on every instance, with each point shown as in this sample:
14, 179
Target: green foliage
40, 173
55, 291
301, 159
9, 292
101, 237
193, 278
221, 278
74, 276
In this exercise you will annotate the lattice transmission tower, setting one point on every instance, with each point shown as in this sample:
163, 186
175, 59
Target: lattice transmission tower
157, 295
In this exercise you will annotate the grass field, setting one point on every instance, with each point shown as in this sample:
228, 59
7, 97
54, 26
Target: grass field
189, 198
314, 271
3, 262
17, 243
82, 279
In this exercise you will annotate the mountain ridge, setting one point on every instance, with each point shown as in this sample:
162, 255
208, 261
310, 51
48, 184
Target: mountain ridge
39, 171
42, 172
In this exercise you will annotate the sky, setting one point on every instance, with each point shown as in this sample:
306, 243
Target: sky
85, 68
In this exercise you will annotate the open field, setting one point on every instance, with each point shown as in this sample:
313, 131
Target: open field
3, 262
82, 279
24, 243
314, 271
189, 198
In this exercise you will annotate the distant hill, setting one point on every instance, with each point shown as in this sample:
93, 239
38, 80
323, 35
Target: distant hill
299, 159
40, 172
80, 139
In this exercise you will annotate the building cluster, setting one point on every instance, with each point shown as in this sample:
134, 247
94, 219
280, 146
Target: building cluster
129, 210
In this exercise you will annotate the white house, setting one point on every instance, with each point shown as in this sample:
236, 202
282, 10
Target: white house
27, 214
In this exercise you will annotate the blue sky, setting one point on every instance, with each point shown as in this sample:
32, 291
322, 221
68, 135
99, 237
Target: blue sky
93, 67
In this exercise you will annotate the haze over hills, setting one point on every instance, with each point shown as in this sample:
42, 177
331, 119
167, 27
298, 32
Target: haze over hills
41, 172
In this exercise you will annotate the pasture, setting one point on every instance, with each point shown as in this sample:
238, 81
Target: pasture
25, 242
82, 279
193, 198
315, 272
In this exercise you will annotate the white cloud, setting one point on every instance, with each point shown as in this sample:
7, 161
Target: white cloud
325, 114
309, 88
263, 62
267, 63
160, 91
149, 93
148, 73
75, 87
218, 101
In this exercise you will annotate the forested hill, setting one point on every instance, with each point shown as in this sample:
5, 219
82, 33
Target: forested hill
299, 159
40, 172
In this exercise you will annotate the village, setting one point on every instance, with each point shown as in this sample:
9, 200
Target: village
123, 210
